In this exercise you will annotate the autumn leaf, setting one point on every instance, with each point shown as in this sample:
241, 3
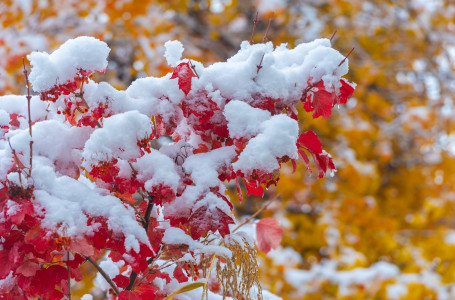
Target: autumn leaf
268, 234
254, 188
310, 141
184, 74
206, 219
320, 101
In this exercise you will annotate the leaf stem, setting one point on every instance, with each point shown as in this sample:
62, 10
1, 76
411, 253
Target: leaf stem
105, 276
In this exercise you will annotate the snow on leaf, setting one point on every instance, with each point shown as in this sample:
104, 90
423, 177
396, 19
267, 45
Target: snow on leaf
184, 74
207, 218
268, 234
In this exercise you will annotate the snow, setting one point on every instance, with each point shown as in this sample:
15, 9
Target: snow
156, 169
12, 207
68, 202
203, 166
173, 53
244, 120
62, 66
277, 139
117, 138
13, 104
67, 199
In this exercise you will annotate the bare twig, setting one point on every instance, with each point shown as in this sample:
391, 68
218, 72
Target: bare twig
69, 275
255, 214
133, 275
346, 57
260, 64
193, 68
264, 39
29, 98
18, 162
105, 276
255, 21
333, 35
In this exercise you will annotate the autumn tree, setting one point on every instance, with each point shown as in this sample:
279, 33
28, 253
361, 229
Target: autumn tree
133, 181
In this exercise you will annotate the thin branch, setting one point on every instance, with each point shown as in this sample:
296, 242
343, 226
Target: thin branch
255, 21
133, 275
18, 162
69, 275
105, 276
255, 214
333, 35
193, 67
346, 57
264, 39
29, 98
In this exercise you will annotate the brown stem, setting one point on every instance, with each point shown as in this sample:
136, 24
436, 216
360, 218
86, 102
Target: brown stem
29, 98
264, 39
346, 57
18, 162
69, 275
333, 35
193, 68
260, 64
105, 276
255, 21
255, 214
148, 211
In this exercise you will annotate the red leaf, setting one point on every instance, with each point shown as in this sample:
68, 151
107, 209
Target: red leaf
323, 162
179, 274
82, 246
6, 265
320, 101
14, 119
294, 165
206, 219
253, 188
184, 74
128, 295
268, 234
346, 91
74, 263
305, 159
310, 140
121, 281
28, 268
26, 208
